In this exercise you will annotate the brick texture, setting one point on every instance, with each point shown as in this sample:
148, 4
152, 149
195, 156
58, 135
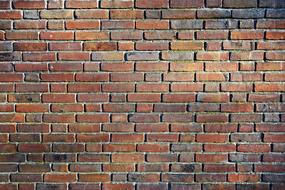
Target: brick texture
142, 94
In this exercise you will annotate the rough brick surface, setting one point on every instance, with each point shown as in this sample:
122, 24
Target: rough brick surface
142, 94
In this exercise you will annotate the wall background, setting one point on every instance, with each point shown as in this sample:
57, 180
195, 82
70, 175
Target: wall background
125, 95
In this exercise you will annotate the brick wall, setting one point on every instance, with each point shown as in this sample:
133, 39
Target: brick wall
142, 95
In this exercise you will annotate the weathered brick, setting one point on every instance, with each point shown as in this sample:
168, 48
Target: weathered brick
113, 56
142, 56
81, 4
187, 24
151, 4
88, 14
56, 14
207, 13
186, 3
240, 4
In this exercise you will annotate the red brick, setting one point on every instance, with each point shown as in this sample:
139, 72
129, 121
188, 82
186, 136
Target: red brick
178, 98
11, 77
121, 87
247, 56
82, 25
241, 4
246, 35
178, 14
211, 157
269, 168
32, 108
86, 35
149, 66
10, 15
29, 46
275, 35
152, 25
211, 177
184, 45
83, 87
126, 14
92, 97
132, 158
162, 157
92, 118
159, 35
100, 46
59, 177
220, 147
5, 5
186, 3
177, 118
58, 98
144, 177
126, 77
253, 148
243, 177
237, 107
210, 77
152, 87
38, 57
209, 118
31, 88
74, 56
56, 14
178, 76
33, 148
118, 186
144, 118
266, 87
92, 137
91, 14
7, 148
117, 24
235, 87
270, 24
152, 148
152, 4
56, 35
212, 138
271, 45
212, 56
117, 4
119, 147
274, 56
29, 25
279, 138
144, 97
38, 4
212, 35
181, 66
21, 35
81, 4
58, 118
68, 147
64, 46
210, 97
26, 177
269, 66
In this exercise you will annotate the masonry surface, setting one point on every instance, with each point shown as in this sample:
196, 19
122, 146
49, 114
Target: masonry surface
142, 95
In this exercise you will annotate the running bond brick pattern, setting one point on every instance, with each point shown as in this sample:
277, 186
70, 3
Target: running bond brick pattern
142, 95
